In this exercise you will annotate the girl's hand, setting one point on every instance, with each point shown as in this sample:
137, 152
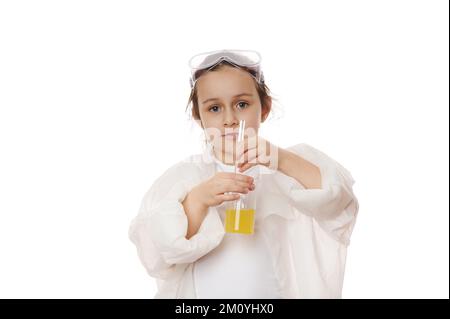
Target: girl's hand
255, 150
214, 191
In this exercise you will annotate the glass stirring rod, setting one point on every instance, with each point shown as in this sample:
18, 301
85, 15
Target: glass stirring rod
238, 203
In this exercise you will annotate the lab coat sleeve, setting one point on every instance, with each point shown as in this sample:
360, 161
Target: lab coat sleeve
334, 206
159, 230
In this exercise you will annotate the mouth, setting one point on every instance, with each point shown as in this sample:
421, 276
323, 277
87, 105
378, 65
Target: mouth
231, 135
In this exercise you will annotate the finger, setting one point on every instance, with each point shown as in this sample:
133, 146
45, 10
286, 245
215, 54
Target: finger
264, 155
250, 157
248, 154
246, 166
246, 144
241, 148
236, 177
232, 186
228, 197
243, 185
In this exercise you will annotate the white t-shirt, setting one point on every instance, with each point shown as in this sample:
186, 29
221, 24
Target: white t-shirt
240, 267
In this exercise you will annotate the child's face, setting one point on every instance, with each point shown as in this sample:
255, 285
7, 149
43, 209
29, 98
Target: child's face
221, 107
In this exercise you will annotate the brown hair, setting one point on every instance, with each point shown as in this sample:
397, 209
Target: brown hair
261, 88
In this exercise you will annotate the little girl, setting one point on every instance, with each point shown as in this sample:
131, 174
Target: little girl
305, 206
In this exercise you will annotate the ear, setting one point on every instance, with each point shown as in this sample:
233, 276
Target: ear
266, 107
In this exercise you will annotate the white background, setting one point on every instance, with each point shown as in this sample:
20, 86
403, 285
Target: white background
92, 110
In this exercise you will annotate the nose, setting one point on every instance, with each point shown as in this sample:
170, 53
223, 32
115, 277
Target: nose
230, 119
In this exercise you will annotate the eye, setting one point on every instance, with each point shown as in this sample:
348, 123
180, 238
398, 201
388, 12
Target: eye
242, 105
214, 109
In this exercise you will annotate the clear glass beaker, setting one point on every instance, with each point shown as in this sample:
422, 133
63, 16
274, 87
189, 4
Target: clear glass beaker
240, 214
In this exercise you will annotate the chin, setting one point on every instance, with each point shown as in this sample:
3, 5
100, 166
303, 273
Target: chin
226, 155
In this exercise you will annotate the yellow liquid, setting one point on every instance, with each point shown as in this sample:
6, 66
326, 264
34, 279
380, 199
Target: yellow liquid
246, 221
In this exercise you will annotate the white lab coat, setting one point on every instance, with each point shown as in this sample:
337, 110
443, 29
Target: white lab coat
307, 230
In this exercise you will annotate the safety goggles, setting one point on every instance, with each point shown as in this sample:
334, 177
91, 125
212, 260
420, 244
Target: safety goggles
249, 59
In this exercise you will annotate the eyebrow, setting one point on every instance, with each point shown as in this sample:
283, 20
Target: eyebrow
216, 99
